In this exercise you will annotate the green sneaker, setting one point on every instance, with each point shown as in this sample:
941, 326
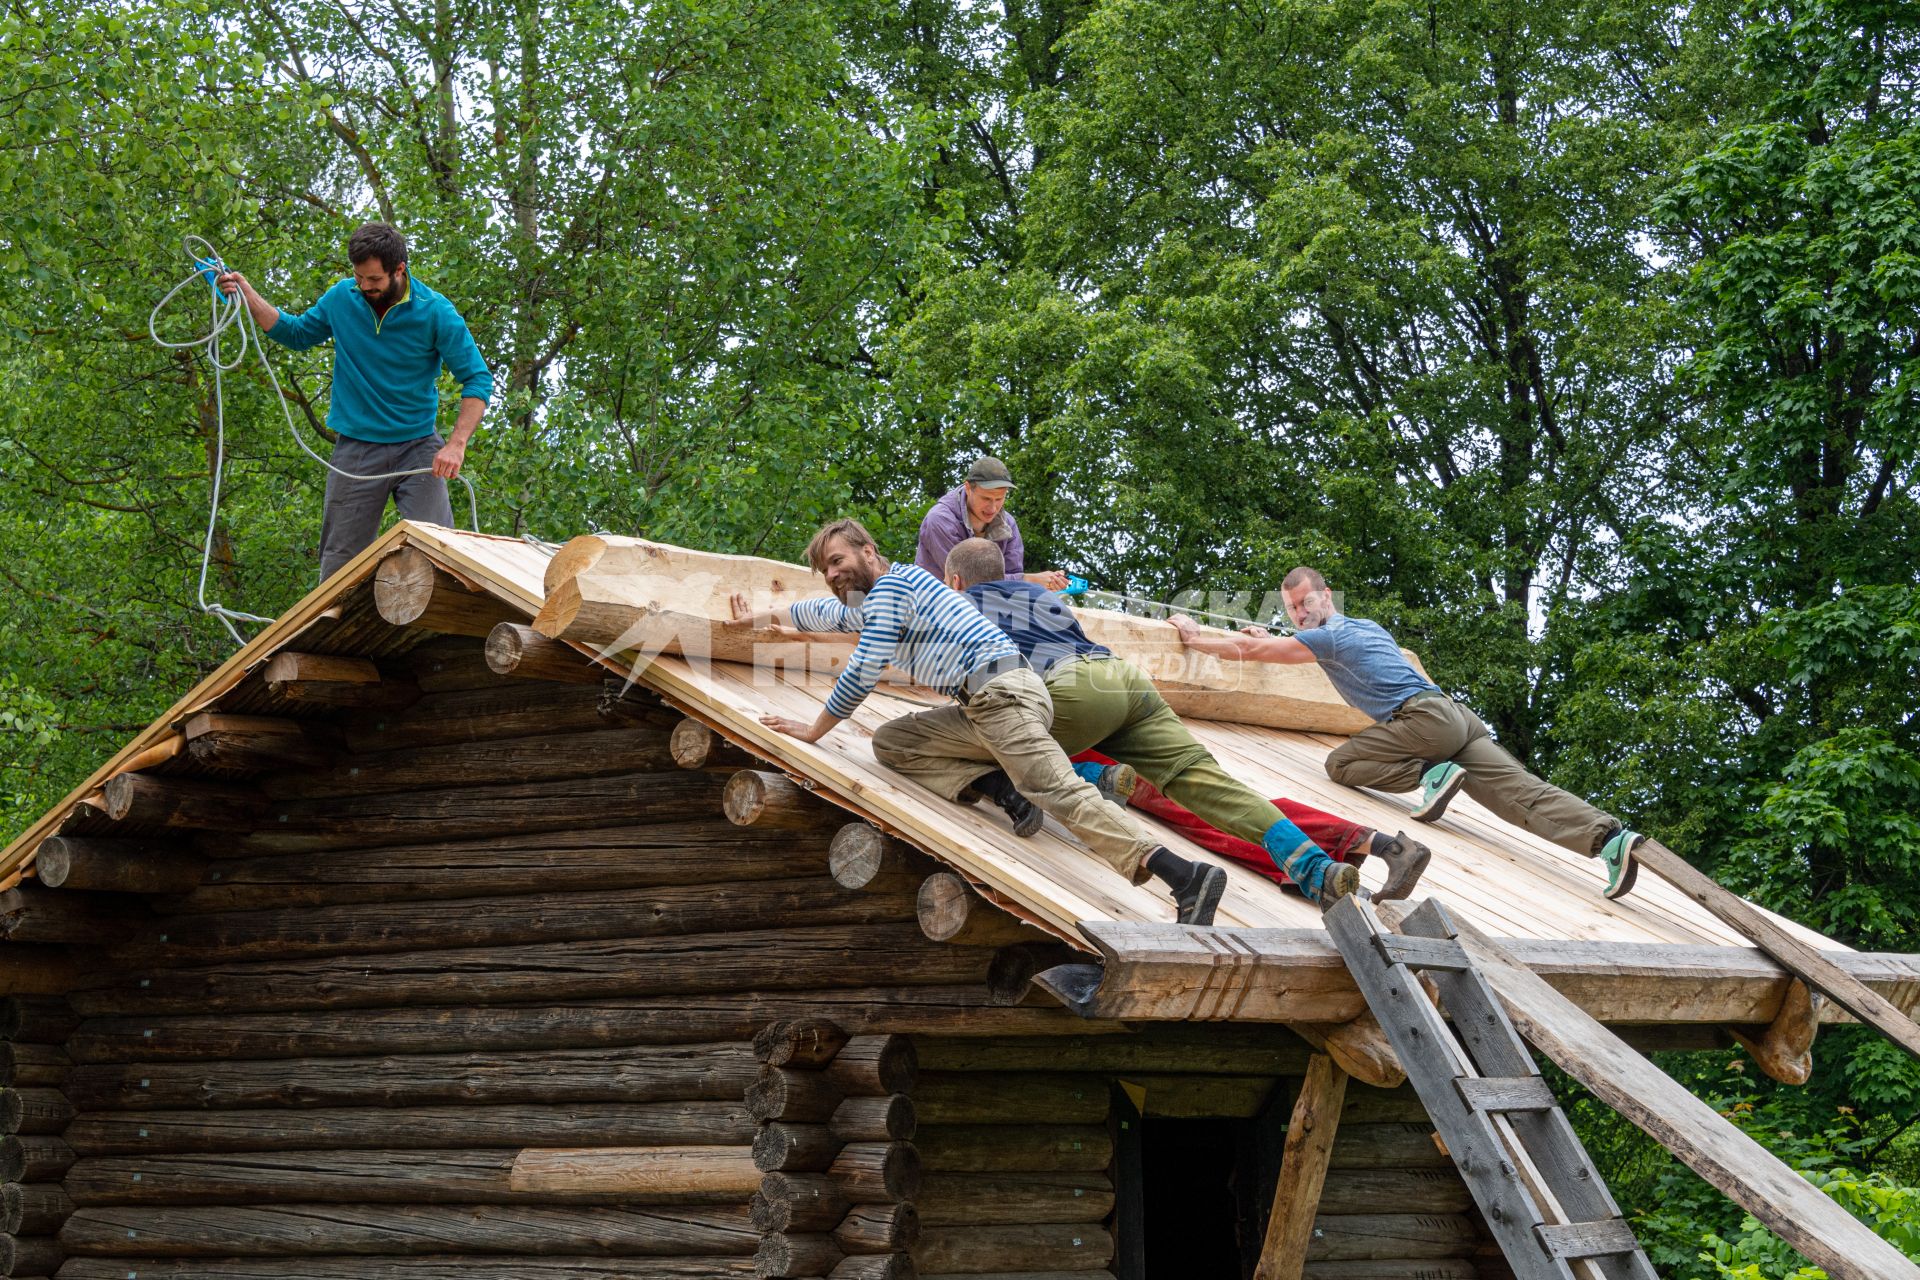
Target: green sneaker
1622, 866
1438, 787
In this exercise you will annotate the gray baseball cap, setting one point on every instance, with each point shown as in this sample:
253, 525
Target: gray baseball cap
989, 473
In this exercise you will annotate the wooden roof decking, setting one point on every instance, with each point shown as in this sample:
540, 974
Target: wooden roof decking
1498, 878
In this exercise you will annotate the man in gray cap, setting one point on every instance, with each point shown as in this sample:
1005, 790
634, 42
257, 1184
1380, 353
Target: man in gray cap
977, 509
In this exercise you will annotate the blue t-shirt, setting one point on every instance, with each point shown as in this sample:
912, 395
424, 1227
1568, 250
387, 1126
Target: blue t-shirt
1365, 665
1040, 624
385, 367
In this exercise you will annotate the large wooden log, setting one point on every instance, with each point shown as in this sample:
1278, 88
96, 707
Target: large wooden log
646, 1175
32, 913
34, 1158
37, 1019
1010, 976
888, 1119
182, 803
874, 1065
252, 744
781, 1254
1438, 1190
31, 1255
876, 1172
798, 1202
456, 813
227, 1231
1029, 1248
502, 1125
541, 758
695, 746
1395, 1236
874, 1266
799, 1097
948, 1098
515, 710
23, 1065
450, 662
1028, 1148
770, 959
33, 1208
670, 1019
1388, 1146
1165, 972
794, 1148
409, 590
998, 1199
117, 866
1159, 1048
41, 969
863, 857
878, 1228
515, 649
332, 680
440, 1267
950, 911
370, 928
665, 1073
799, 1043
34, 1111
757, 798
604, 589
704, 851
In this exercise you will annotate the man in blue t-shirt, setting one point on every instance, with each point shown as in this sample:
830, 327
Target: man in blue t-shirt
1420, 737
390, 336
1107, 704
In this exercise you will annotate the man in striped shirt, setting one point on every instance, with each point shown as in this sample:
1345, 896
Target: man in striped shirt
908, 617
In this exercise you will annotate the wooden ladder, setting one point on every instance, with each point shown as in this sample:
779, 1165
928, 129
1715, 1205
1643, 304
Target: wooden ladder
1527, 1170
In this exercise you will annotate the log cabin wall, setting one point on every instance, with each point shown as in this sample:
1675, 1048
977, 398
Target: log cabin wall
407, 969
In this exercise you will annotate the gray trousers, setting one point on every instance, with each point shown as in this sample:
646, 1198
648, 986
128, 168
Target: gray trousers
351, 518
1425, 731
1006, 723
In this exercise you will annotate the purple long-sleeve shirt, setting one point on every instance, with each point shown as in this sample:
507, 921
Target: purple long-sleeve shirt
946, 527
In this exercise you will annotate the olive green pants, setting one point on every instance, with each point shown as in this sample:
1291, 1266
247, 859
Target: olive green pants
945, 748
1110, 705
1392, 756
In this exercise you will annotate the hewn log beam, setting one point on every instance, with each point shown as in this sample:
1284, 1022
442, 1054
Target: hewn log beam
1155, 971
643, 1174
695, 746
515, 649
31, 1158
800, 1043
536, 758
38, 969
409, 590
33, 913
863, 857
1785, 1049
1303, 1170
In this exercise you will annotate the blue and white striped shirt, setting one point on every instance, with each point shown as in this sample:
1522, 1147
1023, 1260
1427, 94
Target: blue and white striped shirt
913, 620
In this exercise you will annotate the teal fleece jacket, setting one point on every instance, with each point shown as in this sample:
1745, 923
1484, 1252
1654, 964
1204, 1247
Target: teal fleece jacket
384, 368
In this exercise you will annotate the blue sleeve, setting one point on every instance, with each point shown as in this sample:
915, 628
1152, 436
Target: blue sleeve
823, 613
885, 611
462, 355
308, 329
1321, 641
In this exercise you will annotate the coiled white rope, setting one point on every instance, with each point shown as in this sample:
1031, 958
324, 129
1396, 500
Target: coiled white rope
232, 313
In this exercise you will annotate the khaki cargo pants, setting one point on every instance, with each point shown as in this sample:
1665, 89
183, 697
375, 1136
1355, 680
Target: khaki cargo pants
1427, 730
1006, 724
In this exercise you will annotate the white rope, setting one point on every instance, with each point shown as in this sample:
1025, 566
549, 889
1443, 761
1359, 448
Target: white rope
232, 313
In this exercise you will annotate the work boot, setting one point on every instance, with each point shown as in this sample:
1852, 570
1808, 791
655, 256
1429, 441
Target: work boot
1323, 880
1115, 782
1406, 859
1196, 886
1622, 867
1438, 787
998, 787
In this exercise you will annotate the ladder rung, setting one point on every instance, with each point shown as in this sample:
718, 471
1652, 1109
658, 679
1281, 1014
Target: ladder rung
1423, 953
1587, 1239
1505, 1093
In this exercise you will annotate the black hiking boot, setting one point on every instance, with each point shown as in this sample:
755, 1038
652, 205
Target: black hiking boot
1020, 811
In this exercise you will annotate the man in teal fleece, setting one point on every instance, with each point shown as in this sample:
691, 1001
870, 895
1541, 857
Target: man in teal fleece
390, 336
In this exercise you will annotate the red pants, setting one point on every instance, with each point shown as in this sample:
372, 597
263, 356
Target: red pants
1341, 839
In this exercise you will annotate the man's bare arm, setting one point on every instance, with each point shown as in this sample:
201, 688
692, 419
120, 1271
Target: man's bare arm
1247, 648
